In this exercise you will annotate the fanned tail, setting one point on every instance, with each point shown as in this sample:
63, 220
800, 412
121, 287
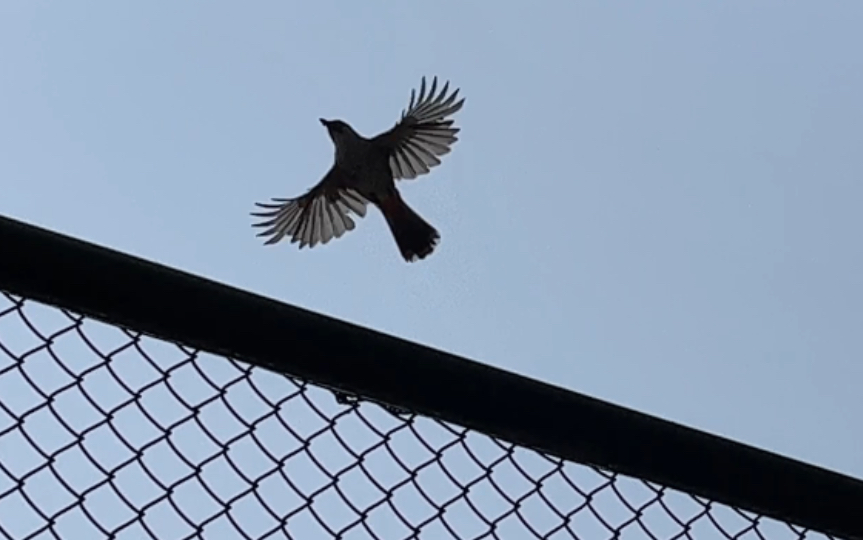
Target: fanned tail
416, 239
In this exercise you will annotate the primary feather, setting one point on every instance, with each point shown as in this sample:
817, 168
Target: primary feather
423, 133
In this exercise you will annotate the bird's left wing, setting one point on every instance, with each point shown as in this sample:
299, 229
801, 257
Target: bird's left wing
423, 133
320, 215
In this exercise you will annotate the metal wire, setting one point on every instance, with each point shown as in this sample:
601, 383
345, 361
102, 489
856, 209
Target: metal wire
105, 433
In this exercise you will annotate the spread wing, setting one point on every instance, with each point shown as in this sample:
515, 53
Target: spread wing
320, 215
423, 133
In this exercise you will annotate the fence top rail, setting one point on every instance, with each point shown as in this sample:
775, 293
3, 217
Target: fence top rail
190, 310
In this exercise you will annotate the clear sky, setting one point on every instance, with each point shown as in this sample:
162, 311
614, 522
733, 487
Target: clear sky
653, 203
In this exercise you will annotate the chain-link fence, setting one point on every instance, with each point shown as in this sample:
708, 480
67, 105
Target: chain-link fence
107, 433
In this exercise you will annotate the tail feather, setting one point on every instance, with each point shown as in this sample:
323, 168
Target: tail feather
416, 239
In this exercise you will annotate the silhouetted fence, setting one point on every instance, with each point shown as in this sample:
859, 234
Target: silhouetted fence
140, 402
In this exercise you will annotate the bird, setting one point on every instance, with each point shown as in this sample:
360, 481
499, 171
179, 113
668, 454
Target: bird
365, 171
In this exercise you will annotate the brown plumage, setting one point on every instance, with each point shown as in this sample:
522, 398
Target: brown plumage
365, 171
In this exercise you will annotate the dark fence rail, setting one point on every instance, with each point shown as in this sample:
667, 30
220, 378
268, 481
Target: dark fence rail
420, 452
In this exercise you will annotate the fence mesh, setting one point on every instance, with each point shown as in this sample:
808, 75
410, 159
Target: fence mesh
108, 433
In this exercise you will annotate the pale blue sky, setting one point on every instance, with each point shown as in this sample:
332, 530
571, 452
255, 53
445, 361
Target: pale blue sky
654, 203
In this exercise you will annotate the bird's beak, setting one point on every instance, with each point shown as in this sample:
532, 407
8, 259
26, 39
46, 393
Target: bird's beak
326, 123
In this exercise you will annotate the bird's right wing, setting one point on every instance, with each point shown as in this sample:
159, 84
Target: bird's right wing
320, 215
423, 133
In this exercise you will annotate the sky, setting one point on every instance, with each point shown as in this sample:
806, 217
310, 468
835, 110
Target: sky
655, 204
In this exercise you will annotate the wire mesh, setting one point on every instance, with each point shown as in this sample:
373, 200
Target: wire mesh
105, 433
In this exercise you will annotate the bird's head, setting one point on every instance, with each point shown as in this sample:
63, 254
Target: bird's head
337, 129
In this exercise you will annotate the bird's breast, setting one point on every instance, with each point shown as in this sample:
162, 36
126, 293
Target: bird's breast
366, 167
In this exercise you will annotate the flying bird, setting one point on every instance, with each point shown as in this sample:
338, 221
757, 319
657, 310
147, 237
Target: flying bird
365, 171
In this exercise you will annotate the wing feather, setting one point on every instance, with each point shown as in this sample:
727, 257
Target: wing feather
318, 216
424, 132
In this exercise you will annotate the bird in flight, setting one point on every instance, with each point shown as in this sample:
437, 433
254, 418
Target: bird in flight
365, 171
